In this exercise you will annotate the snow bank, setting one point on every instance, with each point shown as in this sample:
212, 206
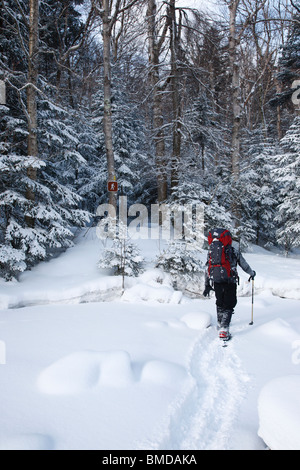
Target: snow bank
101, 289
74, 278
278, 330
279, 413
197, 320
84, 370
144, 293
152, 286
279, 274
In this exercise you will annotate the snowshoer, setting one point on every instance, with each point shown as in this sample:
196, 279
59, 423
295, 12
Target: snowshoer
221, 276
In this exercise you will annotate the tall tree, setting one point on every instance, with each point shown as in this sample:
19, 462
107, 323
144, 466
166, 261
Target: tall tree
235, 89
238, 24
37, 206
175, 33
109, 12
288, 177
33, 59
155, 45
289, 63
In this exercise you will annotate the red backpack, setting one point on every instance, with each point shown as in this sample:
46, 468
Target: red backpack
220, 255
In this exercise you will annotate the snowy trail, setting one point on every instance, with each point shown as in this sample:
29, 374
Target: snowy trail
205, 417
144, 371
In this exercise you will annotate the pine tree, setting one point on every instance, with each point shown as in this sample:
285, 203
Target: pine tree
182, 263
288, 177
289, 62
122, 256
89, 178
290, 57
258, 190
54, 208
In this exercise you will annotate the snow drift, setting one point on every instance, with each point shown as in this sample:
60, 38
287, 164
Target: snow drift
279, 413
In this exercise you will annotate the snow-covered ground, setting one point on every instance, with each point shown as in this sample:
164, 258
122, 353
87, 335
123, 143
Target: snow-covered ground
83, 368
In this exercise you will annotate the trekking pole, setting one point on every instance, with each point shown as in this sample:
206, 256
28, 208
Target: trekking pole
251, 322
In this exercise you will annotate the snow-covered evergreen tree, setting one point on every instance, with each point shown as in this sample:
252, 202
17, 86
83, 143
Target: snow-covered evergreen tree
193, 188
288, 177
205, 168
90, 176
259, 191
55, 208
183, 264
289, 61
122, 256
31, 227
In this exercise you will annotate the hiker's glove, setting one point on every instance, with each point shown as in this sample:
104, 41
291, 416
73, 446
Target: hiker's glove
251, 278
207, 290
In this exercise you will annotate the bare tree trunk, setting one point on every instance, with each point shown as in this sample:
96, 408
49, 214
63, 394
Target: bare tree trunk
235, 37
32, 147
107, 117
278, 109
176, 102
235, 91
159, 137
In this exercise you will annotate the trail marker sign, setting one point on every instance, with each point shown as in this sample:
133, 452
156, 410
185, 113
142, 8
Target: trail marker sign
112, 186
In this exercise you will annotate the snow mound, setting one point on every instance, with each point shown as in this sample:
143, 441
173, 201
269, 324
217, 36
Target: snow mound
164, 373
197, 320
279, 413
27, 442
147, 293
278, 329
156, 276
153, 286
81, 371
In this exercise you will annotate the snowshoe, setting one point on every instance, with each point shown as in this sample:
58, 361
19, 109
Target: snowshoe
224, 335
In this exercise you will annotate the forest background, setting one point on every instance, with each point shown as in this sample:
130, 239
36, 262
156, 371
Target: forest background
177, 104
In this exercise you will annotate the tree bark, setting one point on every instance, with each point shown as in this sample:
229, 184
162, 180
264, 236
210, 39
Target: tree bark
105, 14
33, 56
107, 117
176, 102
235, 91
154, 47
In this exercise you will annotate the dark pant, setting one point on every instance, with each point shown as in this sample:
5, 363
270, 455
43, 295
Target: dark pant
226, 300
